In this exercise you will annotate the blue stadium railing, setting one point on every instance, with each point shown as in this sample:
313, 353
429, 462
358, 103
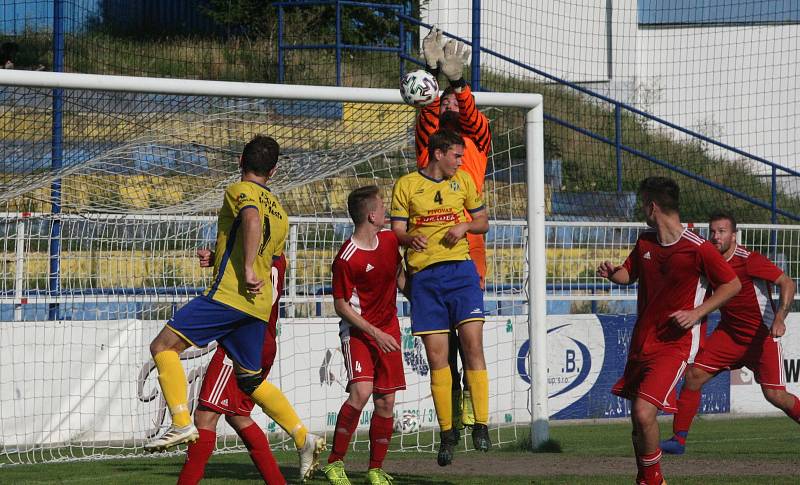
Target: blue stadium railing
403, 51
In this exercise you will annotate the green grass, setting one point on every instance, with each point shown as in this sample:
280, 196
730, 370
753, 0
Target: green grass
718, 451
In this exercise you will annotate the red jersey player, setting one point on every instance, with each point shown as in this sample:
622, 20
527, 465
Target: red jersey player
672, 266
748, 334
366, 275
220, 395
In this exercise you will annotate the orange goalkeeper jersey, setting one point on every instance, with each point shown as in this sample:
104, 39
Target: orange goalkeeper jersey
474, 131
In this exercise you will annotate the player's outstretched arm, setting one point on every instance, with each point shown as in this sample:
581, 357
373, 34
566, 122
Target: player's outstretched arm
615, 274
788, 289
721, 295
385, 342
473, 123
251, 238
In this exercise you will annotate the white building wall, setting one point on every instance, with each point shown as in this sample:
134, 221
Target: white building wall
735, 83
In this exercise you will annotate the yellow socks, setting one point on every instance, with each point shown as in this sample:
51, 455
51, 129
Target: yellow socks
441, 389
277, 407
478, 381
173, 384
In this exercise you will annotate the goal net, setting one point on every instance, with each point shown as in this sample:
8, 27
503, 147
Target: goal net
108, 187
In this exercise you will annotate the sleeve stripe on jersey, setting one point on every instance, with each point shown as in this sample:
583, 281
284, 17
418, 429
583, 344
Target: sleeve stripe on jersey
349, 251
740, 251
398, 218
472, 211
689, 235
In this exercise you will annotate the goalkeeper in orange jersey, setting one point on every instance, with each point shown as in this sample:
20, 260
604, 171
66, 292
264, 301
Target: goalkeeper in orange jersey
456, 111
428, 218
251, 231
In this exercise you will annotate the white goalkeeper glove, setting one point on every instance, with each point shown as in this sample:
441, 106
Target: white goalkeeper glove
432, 49
456, 55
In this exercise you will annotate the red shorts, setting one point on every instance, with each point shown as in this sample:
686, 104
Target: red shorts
762, 354
221, 393
653, 380
365, 362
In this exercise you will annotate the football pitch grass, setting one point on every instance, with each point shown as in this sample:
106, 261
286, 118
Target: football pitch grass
721, 451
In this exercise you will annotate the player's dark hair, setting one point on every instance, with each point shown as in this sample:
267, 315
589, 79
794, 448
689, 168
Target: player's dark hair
260, 155
359, 202
719, 215
661, 190
443, 140
448, 91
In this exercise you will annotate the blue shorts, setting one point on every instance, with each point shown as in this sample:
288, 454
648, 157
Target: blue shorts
203, 320
444, 296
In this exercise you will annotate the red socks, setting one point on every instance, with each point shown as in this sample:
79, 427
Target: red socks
197, 457
258, 446
688, 404
380, 435
346, 424
651, 468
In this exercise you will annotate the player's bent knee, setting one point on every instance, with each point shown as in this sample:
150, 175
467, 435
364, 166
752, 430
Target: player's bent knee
239, 423
696, 377
247, 382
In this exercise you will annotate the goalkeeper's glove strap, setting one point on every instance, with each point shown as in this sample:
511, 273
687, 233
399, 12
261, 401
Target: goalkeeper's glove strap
433, 70
460, 83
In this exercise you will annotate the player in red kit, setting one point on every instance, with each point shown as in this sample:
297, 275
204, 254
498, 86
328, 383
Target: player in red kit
673, 267
748, 334
366, 275
219, 395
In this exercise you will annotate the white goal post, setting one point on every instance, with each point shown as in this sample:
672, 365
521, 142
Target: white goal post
535, 274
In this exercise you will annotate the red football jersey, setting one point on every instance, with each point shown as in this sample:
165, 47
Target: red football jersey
671, 277
367, 278
752, 310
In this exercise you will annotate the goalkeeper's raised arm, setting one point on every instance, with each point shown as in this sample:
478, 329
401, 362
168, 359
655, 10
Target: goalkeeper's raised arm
455, 110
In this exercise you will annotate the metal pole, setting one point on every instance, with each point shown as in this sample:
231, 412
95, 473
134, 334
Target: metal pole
19, 270
402, 42
57, 155
281, 67
338, 44
475, 78
618, 144
537, 311
292, 262
773, 234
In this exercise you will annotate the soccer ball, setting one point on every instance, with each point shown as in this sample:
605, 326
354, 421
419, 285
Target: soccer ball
407, 423
419, 88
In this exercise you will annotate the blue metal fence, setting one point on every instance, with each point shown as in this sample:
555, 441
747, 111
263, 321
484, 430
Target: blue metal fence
619, 147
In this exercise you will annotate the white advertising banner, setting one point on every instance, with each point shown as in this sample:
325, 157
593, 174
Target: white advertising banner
94, 381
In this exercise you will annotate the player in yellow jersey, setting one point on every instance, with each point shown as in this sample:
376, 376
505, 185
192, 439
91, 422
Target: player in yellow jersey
251, 230
428, 218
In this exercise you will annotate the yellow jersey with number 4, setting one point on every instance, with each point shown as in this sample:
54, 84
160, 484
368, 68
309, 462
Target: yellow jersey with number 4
228, 286
431, 207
